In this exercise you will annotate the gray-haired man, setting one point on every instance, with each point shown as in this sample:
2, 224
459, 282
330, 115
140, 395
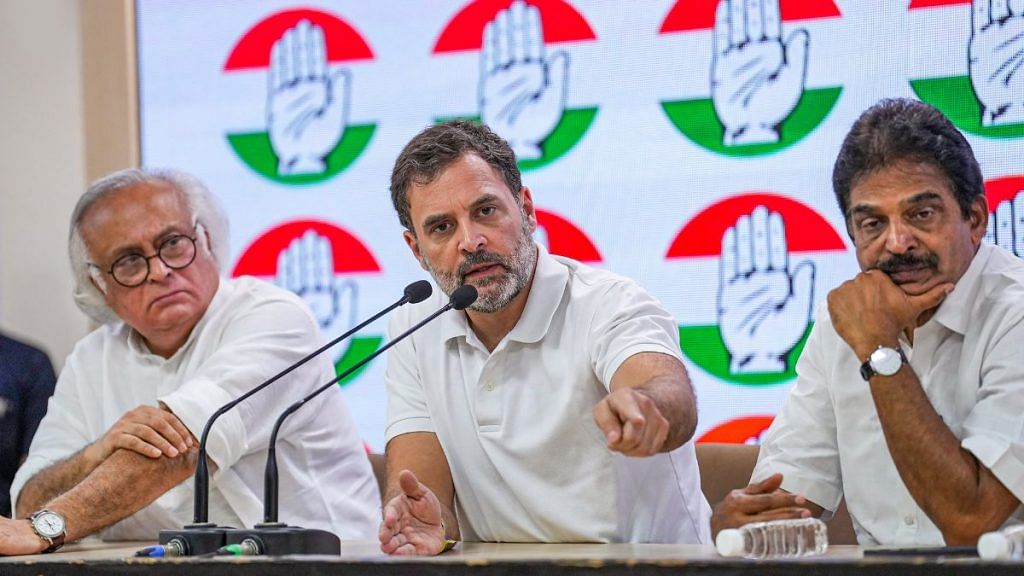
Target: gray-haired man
177, 342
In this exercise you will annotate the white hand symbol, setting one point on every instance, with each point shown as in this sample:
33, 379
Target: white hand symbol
306, 268
763, 310
756, 80
996, 60
1006, 225
306, 107
522, 94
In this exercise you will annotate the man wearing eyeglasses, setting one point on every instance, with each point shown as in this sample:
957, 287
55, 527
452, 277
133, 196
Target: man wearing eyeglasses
119, 440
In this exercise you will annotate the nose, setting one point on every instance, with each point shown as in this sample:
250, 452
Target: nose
472, 238
158, 270
900, 239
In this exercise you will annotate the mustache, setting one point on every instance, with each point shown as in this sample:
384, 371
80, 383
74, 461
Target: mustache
477, 258
901, 262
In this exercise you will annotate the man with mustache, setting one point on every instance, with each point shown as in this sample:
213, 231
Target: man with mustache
909, 400
555, 409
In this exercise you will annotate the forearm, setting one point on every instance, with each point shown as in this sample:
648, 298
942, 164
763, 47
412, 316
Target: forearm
945, 480
123, 484
55, 480
676, 403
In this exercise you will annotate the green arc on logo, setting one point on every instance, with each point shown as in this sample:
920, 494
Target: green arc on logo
358, 349
567, 133
255, 150
954, 97
703, 345
697, 120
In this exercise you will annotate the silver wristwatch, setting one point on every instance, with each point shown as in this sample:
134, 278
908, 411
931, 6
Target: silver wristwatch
49, 526
884, 361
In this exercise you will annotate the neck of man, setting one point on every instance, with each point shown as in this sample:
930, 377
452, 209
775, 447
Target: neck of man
491, 327
165, 345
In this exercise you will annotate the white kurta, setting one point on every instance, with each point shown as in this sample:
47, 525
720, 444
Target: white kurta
827, 441
528, 462
251, 331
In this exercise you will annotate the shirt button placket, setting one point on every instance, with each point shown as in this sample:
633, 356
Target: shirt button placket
488, 403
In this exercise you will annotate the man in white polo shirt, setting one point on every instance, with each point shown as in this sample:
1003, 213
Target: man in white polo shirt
118, 444
555, 409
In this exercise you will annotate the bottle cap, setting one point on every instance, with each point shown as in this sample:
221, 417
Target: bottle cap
730, 543
994, 546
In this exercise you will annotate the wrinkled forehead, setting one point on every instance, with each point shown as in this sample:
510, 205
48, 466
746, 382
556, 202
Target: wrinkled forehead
134, 217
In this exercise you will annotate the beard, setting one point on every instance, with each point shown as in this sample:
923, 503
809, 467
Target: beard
495, 292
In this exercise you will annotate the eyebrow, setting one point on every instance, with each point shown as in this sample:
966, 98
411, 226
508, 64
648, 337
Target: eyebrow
430, 221
926, 196
920, 197
134, 248
485, 199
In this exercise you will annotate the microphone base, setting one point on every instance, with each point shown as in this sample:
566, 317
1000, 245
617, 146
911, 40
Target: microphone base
279, 539
197, 539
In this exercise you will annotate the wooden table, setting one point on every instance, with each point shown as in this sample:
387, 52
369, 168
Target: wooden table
364, 558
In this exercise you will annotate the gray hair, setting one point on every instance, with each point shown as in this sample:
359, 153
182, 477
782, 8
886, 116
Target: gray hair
201, 203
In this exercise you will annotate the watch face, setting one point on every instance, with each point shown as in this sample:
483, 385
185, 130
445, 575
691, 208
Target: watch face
886, 361
49, 524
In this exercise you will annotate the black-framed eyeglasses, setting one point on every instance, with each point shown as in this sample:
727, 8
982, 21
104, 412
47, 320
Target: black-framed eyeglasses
176, 252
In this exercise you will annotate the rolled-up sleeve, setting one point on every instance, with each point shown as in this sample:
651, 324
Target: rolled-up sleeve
994, 429
270, 335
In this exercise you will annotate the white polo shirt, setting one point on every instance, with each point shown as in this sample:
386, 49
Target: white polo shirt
528, 462
251, 331
827, 440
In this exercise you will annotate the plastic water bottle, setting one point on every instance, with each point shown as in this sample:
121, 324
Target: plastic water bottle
1006, 544
775, 539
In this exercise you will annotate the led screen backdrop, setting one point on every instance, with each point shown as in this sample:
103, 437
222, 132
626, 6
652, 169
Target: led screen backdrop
686, 144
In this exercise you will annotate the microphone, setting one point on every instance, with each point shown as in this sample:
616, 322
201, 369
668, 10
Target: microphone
275, 538
203, 536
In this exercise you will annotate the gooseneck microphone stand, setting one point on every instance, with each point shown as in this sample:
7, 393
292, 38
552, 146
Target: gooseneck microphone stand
276, 538
203, 536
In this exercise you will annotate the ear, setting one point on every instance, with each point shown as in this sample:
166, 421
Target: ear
526, 200
978, 217
96, 277
204, 238
414, 245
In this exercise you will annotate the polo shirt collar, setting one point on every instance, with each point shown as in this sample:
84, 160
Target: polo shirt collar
549, 281
955, 310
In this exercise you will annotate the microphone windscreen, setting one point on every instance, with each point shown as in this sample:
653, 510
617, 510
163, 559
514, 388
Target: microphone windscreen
463, 296
418, 291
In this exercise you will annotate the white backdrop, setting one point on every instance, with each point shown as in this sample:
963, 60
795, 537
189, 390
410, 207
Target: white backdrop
636, 162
